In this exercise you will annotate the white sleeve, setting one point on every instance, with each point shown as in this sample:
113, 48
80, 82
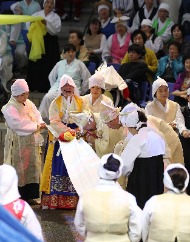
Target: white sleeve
85, 75
3, 44
102, 44
167, 33
53, 75
180, 120
147, 217
130, 153
107, 48
158, 44
15, 32
54, 25
79, 219
136, 22
135, 226
30, 221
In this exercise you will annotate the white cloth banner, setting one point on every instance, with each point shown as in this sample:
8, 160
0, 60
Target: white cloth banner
82, 164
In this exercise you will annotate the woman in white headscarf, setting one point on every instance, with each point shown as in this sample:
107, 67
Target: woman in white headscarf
23, 139
58, 190
107, 213
143, 159
38, 71
10, 199
163, 108
166, 217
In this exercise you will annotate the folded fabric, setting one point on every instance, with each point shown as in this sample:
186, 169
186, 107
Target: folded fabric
16, 19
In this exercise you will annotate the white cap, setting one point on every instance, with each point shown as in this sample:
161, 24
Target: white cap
18, 87
164, 6
46, 1
102, 6
132, 120
97, 80
156, 84
106, 174
167, 179
129, 108
67, 79
147, 22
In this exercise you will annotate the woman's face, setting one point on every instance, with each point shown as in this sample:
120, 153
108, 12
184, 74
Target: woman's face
146, 28
187, 65
138, 39
177, 34
114, 124
173, 52
120, 29
70, 55
22, 97
96, 92
162, 93
133, 56
162, 15
73, 39
49, 6
94, 27
67, 90
104, 13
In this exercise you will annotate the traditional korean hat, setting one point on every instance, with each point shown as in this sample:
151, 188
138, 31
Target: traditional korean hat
164, 6
147, 22
108, 113
18, 87
103, 4
97, 80
132, 120
107, 174
156, 84
129, 108
119, 19
168, 181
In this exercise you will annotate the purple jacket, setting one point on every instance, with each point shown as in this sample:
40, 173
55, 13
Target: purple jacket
179, 81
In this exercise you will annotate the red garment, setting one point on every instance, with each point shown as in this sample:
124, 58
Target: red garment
117, 51
16, 208
126, 93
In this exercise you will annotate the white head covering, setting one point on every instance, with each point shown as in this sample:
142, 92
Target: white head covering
67, 79
126, 110
188, 91
167, 179
120, 20
97, 80
164, 6
156, 84
81, 119
18, 87
147, 22
103, 6
108, 113
132, 120
46, 1
8, 184
110, 175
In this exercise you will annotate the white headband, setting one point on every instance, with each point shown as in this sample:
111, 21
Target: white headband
156, 84
18, 87
97, 80
167, 179
147, 22
102, 6
106, 174
46, 1
129, 108
164, 6
132, 119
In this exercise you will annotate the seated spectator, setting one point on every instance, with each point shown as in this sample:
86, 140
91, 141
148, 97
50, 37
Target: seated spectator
91, 219
104, 12
6, 59
177, 31
182, 83
148, 11
59, 7
169, 209
118, 43
70, 66
38, 71
123, 7
139, 37
174, 9
10, 199
163, 108
162, 24
76, 38
95, 41
171, 65
153, 41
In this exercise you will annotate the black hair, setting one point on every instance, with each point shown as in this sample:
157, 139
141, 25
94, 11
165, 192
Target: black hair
180, 27
112, 164
69, 47
178, 177
94, 21
185, 57
136, 32
79, 35
176, 44
142, 118
136, 48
